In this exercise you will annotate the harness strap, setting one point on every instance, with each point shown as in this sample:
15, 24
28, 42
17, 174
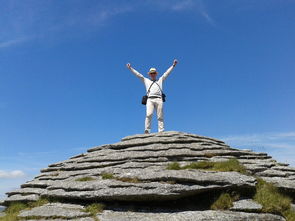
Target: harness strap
151, 86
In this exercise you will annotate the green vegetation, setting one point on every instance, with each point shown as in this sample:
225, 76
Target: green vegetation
289, 215
273, 201
93, 209
123, 179
229, 165
205, 165
224, 201
107, 176
42, 201
13, 209
174, 166
84, 179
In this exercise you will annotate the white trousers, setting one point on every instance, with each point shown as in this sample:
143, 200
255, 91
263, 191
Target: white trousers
154, 103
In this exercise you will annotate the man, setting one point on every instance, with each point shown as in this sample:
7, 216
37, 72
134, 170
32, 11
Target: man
154, 93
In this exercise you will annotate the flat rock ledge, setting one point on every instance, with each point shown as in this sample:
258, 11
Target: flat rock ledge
134, 171
247, 205
187, 216
55, 210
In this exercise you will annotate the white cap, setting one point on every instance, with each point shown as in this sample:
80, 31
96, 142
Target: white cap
152, 70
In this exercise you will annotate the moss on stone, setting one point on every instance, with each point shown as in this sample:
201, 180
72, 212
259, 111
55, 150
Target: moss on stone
174, 166
94, 208
223, 166
84, 179
107, 176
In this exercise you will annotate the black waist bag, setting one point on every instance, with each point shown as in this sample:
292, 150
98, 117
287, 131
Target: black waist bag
163, 97
144, 99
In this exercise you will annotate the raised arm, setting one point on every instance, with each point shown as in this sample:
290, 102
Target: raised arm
135, 72
166, 74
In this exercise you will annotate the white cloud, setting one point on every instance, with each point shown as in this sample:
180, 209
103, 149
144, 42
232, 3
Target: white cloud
31, 20
280, 146
184, 5
282, 140
11, 174
9, 43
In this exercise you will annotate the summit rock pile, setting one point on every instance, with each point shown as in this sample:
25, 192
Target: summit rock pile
132, 180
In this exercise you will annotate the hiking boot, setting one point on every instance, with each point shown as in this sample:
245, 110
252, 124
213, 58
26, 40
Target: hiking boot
146, 132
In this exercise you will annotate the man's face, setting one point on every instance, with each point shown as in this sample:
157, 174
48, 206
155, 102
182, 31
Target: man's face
153, 75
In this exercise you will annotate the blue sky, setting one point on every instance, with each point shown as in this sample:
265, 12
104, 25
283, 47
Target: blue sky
64, 86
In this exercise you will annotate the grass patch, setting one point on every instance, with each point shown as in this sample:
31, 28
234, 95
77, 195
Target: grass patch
289, 215
229, 165
94, 208
106, 176
273, 201
224, 201
173, 166
12, 211
40, 202
200, 165
84, 179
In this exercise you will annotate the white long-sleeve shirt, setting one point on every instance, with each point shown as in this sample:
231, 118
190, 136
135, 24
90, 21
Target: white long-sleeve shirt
155, 91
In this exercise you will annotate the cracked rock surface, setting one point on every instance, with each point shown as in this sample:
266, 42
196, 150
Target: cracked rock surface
60, 210
134, 170
187, 216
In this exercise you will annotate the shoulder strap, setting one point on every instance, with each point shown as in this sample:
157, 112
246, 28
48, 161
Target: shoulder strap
150, 88
159, 87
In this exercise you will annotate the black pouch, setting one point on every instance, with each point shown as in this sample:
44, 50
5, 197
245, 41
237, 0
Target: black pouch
144, 99
163, 97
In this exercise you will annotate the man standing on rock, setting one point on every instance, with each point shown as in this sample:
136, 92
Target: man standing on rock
154, 93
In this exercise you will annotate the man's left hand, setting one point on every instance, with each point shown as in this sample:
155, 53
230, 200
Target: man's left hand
175, 62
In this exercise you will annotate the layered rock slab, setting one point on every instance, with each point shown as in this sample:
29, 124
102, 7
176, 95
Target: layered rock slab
138, 165
246, 205
187, 216
55, 210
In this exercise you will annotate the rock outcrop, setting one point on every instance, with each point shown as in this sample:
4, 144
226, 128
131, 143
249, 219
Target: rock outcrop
131, 178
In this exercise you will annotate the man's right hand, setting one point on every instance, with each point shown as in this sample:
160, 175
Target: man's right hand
128, 65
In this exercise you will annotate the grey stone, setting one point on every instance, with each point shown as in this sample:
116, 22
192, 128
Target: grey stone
150, 185
284, 168
55, 210
272, 173
255, 168
247, 205
26, 191
283, 183
144, 158
21, 198
79, 219
187, 216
